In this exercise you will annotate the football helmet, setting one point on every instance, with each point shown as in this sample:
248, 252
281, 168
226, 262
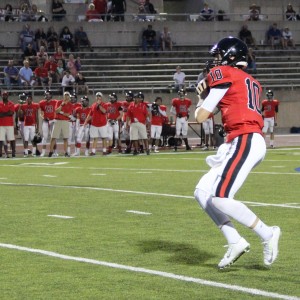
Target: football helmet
113, 97
48, 94
85, 101
139, 95
269, 94
231, 51
99, 94
37, 138
22, 98
181, 93
129, 96
73, 98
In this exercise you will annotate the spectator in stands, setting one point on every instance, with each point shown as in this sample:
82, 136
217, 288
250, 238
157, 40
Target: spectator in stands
60, 55
274, 36
166, 39
25, 14
42, 56
8, 13
26, 37
81, 85
92, 15
51, 67
290, 13
81, 38
149, 7
118, 9
58, 11
179, 79
60, 71
251, 61
42, 77
26, 75
149, 39
101, 8
30, 55
34, 14
11, 75
141, 15
68, 82
246, 36
207, 13
41, 38
254, 13
66, 40
73, 65
287, 38
52, 39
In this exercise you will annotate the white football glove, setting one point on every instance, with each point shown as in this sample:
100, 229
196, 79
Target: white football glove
202, 86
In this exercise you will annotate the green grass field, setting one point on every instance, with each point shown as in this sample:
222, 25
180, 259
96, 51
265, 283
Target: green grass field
136, 231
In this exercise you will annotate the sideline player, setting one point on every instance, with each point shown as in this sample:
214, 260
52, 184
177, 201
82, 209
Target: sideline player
47, 113
208, 128
237, 94
181, 109
270, 111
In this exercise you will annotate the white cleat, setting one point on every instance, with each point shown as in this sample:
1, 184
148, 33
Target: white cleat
76, 154
42, 154
271, 246
86, 152
234, 252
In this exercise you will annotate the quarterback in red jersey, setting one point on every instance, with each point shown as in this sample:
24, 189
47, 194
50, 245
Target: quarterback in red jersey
270, 111
236, 93
181, 109
82, 132
31, 122
98, 119
159, 113
7, 110
47, 113
114, 116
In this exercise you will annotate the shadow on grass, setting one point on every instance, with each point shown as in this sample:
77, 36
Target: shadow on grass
182, 253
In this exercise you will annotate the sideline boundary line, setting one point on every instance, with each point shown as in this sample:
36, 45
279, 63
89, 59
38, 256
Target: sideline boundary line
134, 192
200, 281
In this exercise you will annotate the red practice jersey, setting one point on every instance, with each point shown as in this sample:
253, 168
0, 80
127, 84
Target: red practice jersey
67, 109
99, 118
30, 113
159, 120
240, 107
182, 106
113, 110
48, 108
82, 113
6, 107
137, 111
269, 108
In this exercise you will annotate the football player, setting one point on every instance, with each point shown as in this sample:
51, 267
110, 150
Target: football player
19, 119
29, 111
208, 128
114, 116
269, 108
82, 132
124, 130
181, 109
158, 112
237, 95
47, 113
98, 119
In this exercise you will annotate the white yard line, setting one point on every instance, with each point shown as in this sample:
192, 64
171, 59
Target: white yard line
132, 192
61, 217
138, 212
200, 281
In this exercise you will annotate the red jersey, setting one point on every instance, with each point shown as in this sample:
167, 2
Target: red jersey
137, 111
113, 110
158, 120
98, 117
100, 6
48, 108
30, 113
67, 109
82, 113
41, 72
182, 106
51, 66
75, 106
6, 107
240, 105
269, 108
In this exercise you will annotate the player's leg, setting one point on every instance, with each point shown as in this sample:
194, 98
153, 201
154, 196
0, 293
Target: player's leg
45, 134
26, 138
272, 123
246, 152
185, 127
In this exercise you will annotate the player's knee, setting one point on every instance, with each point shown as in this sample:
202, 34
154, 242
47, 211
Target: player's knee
202, 197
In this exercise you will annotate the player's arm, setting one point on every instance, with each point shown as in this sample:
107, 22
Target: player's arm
206, 107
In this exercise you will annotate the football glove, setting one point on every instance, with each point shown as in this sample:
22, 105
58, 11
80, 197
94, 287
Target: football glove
201, 87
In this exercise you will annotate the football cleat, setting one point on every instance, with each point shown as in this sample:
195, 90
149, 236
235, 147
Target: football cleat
234, 252
271, 246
